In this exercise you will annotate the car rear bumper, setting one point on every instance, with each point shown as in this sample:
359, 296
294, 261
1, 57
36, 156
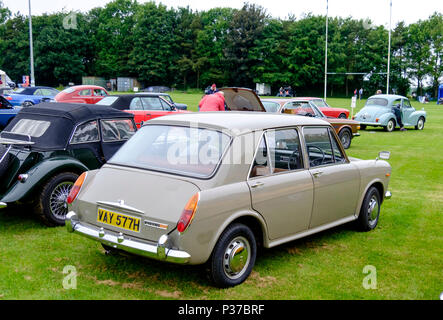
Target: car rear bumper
159, 251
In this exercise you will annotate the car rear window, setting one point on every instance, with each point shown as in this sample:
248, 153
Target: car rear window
271, 106
30, 127
107, 101
377, 102
178, 150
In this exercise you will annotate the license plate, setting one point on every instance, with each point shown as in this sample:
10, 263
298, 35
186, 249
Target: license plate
118, 220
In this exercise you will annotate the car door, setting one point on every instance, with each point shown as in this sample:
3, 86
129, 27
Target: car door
281, 188
407, 111
114, 133
336, 180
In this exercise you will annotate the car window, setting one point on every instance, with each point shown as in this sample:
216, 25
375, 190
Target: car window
284, 150
338, 155
38, 92
318, 146
168, 98
136, 104
261, 166
99, 93
271, 106
152, 103
406, 103
107, 101
189, 151
30, 127
87, 132
299, 107
85, 92
320, 103
396, 102
117, 130
166, 106
376, 102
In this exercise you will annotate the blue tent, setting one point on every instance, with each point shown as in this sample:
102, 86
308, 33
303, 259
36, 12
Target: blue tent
440, 94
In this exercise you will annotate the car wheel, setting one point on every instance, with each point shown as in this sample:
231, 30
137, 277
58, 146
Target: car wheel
27, 104
342, 116
233, 256
390, 126
420, 124
51, 203
362, 127
345, 136
370, 210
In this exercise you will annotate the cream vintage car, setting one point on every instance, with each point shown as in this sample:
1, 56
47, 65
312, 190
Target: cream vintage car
211, 187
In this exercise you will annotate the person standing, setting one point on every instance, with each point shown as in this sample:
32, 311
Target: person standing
213, 102
360, 93
213, 89
397, 111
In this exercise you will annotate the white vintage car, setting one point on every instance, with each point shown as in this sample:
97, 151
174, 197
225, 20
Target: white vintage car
211, 187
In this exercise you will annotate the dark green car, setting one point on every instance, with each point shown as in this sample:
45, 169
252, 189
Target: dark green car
45, 148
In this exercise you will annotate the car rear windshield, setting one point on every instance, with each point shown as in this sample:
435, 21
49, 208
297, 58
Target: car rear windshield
377, 102
107, 101
29, 127
188, 151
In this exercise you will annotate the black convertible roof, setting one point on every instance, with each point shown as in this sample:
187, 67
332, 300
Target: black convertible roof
76, 112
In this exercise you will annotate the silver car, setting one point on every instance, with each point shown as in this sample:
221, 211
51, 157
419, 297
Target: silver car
213, 186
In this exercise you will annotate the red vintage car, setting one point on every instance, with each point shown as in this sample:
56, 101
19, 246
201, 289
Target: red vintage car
326, 109
82, 94
144, 106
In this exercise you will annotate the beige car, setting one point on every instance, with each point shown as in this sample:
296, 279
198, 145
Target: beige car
211, 187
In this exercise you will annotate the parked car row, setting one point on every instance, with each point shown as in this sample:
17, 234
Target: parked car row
264, 173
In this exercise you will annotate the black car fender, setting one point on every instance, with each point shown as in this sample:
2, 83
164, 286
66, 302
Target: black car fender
39, 174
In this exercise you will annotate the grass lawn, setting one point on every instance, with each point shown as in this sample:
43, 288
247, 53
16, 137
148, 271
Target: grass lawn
406, 248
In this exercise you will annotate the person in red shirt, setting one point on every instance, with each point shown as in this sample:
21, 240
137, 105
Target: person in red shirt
213, 102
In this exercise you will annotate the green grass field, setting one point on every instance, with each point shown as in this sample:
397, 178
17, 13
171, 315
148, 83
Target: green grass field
406, 248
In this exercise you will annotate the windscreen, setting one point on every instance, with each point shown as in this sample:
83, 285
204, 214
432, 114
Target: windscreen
178, 150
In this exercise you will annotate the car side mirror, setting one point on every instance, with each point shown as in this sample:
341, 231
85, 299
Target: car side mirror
384, 155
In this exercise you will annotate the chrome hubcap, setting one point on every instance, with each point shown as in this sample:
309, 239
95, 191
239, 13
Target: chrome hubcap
57, 200
390, 125
373, 209
345, 139
236, 258
420, 124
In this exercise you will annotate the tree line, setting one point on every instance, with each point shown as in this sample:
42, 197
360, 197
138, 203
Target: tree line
183, 48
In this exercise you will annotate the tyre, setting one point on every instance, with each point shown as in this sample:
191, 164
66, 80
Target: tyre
4, 164
390, 126
342, 116
370, 210
420, 124
51, 203
233, 256
345, 136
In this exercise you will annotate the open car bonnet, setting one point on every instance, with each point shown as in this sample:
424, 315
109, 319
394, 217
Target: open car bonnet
242, 99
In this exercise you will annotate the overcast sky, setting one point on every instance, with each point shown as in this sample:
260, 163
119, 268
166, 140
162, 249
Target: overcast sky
376, 10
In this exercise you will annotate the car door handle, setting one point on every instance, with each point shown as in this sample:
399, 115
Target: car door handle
257, 185
317, 174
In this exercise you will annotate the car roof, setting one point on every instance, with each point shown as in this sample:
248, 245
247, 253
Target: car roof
123, 100
76, 112
388, 96
236, 122
86, 86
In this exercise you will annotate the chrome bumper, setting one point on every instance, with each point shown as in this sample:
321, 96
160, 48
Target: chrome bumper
388, 195
158, 252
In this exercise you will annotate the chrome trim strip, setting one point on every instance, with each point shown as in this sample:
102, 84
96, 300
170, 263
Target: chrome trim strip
158, 252
120, 206
6, 153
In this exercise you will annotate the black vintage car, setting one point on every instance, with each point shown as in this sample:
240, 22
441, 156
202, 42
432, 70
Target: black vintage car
149, 101
45, 148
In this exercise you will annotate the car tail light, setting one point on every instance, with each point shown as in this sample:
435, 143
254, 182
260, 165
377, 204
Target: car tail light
353, 117
188, 213
376, 120
76, 188
8, 98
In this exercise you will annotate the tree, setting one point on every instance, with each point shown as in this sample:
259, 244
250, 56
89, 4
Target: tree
434, 29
